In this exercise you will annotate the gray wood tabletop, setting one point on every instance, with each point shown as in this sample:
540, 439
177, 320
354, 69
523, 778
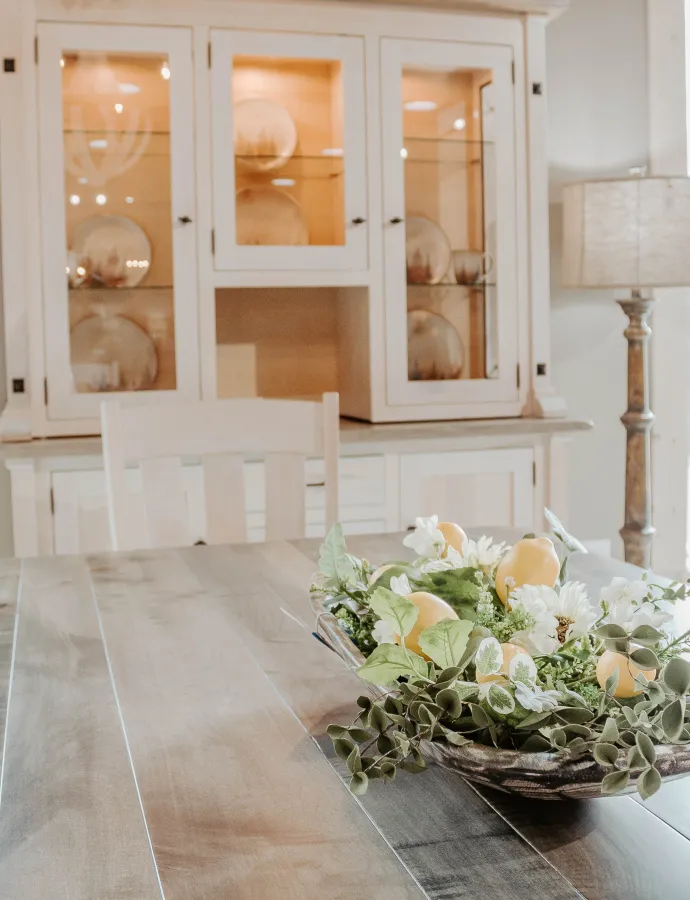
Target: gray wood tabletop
164, 717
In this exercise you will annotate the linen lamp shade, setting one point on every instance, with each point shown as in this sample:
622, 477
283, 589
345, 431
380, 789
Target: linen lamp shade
627, 233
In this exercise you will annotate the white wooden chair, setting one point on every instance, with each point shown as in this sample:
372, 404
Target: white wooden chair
221, 433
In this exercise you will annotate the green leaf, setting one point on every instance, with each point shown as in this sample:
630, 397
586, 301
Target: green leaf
395, 571
648, 782
522, 668
570, 543
389, 662
636, 758
364, 702
445, 641
457, 740
612, 682
645, 658
535, 743
536, 719
479, 716
378, 719
466, 689
676, 676
605, 754
646, 747
500, 700
459, 588
611, 631
396, 611
610, 732
343, 748
575, 715
672, 719
335, 564
361, 735
336, 731
615, 782
450, 702
354, 761
489, 658
646, 634
359, 783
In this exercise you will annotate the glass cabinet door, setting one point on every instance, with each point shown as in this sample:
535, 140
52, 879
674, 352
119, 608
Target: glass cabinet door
118, 237
449, 223
288, 151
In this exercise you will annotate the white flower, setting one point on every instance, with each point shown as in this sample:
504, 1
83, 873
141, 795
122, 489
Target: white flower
382, 633
560, 616
400, 584
628, 605
482, 554
426, 539
452, 560
532, 697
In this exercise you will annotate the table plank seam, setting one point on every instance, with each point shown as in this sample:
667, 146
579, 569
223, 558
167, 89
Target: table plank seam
523, 838
3, 755
124, 734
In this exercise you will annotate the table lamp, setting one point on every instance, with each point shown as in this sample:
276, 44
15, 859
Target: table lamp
630, 233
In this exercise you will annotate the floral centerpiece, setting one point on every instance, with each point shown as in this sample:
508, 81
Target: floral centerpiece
489, 660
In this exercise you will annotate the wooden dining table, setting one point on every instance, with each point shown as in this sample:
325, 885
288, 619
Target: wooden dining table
164, 717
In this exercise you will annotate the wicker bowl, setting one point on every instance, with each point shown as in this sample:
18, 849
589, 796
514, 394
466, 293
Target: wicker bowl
537, 775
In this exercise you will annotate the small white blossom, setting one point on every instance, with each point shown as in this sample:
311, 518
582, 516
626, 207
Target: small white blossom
628, 605
426, 539
400, 584
452, 560
532, 697
382, 633
482, 554
539, 639
560, 616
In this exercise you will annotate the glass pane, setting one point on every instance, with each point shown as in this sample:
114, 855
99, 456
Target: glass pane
116, 133
289, 163
450, 220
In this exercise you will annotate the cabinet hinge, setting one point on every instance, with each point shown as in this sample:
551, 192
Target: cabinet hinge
512, 71
52, 502
208, 53
213, 242
36, 49
517, 376
534, 474
45, 391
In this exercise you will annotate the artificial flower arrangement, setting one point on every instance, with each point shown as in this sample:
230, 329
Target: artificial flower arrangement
477, 644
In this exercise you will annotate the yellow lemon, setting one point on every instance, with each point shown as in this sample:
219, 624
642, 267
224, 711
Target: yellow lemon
530, 561
454, 536
609, 661
509, 651
377, 573
431, 610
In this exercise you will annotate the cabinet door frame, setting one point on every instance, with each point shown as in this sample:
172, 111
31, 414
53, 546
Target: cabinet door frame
349, 50
174, 44
395, 54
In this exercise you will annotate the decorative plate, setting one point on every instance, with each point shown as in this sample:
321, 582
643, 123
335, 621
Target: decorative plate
113, 251
112, 353
427, 250
269, 218
265, 134
535, 775
435, 351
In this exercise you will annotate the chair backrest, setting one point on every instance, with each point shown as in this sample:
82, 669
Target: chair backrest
221, 433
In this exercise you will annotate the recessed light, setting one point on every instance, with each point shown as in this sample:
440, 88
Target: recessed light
126, 87
459, 124
98, 144
332, 151
165, 71
420, 105
283, 182
81, 270
129, 199
101, 199
74, 199
62, 63
403, 152
118, 108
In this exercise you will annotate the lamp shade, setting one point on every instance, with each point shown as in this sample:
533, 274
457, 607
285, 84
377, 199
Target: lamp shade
627, 233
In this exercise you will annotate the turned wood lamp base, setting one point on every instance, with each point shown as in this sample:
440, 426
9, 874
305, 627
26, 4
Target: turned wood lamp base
638, 532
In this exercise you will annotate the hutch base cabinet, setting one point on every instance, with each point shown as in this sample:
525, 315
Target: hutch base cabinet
207, 199
481, 474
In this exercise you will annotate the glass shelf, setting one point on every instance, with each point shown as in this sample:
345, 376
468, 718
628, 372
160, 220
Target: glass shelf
297, 166
478, 286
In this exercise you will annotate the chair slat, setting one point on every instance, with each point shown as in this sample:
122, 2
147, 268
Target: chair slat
226, 520
166, 503
285, 496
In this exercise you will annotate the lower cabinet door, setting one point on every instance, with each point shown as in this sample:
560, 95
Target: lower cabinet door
474, 488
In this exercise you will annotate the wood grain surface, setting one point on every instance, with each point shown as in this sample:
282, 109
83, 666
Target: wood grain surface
166, 739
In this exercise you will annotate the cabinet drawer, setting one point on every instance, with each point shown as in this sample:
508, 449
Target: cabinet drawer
474, 488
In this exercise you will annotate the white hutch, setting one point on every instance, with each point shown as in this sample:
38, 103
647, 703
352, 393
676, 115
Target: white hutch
206, 198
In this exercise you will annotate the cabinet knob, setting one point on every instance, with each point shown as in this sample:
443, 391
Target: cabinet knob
358, 221
184, 220
396, 220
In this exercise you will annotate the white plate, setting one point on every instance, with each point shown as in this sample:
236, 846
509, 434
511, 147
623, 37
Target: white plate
267, 217
427, 251
265, 135
435, 351
113, 251
112, 353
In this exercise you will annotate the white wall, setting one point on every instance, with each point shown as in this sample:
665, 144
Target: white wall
598, 126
